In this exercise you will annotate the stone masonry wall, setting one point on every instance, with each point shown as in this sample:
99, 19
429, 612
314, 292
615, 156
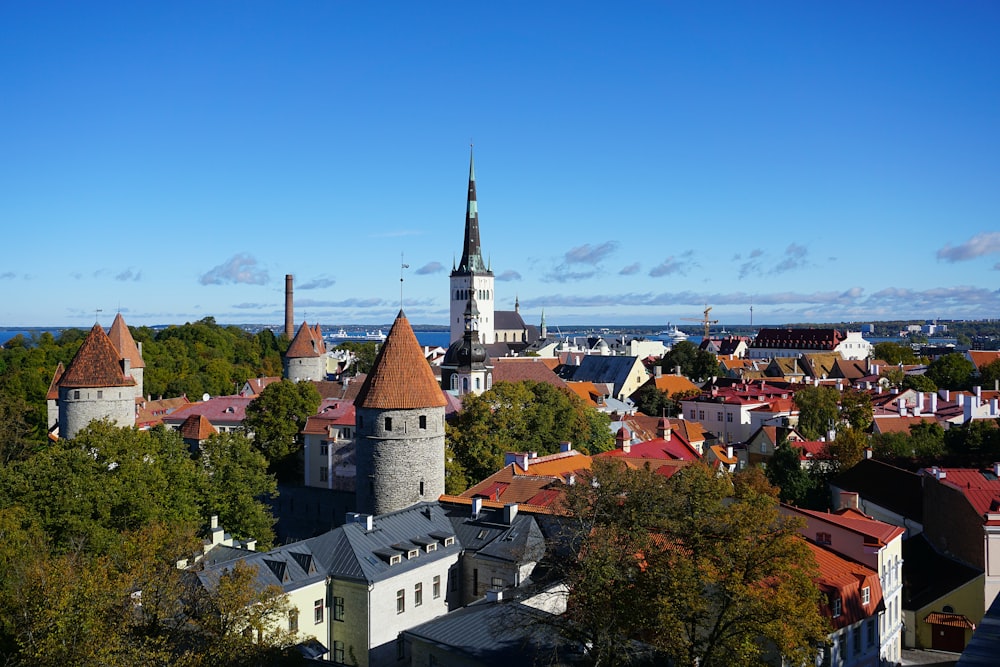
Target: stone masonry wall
79, 407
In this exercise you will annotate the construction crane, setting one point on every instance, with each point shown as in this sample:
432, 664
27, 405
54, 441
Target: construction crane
705, 322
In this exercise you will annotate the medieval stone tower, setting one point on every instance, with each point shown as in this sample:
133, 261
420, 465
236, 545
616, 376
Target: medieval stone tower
127, 348
472, 277
97, 384
305, 358
400, 427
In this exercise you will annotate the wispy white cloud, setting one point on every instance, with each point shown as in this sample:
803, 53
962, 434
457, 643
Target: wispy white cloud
9, 275
795, 258
429, 268
508, 276
318, 283
240, 268
630, 270
986, 243
588, 254
563, 276
129, 275
667, 267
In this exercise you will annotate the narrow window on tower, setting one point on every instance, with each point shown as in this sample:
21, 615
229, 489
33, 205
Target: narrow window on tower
388, 423
423, 421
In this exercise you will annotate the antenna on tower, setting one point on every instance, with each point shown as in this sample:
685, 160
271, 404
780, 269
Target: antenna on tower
751, 312
402, 265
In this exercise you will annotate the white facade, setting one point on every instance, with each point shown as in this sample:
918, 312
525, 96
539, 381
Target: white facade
481, 286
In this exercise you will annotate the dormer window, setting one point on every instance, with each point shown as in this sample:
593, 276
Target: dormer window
412, 553
395, 560
866, 595
837, 607
431, 547
448, 541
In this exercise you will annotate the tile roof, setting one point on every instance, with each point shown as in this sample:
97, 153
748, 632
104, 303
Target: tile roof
96, 364
878, 532
122, 339
308, 342
53, 393
895, 424
840, 578
669, 450
675, 384
981, 489
330, 413
516, 369
983, 358
587, 391
197, 427
401, 378
150, 413
230, 410
254, 386
890, 487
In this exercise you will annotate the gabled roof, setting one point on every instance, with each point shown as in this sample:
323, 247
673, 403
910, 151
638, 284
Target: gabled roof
596, 368
229, 410
122, 339
981, 489
516, 369
983, 358
507, 320
400, 379
330, 413
674, 384
890, 487
308, 342
843, 579
197, 427
587, 391
96, 364
875, 532
674, 449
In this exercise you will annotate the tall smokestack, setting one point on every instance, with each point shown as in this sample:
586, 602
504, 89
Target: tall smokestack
289, 309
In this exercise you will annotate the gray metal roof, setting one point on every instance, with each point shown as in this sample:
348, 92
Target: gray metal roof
597, 368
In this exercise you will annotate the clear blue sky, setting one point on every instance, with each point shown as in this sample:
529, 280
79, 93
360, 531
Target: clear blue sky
635, 161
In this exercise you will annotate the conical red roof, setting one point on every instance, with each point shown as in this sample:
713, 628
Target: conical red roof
53, 393
96, 364
308, 342
401, 378
122, 339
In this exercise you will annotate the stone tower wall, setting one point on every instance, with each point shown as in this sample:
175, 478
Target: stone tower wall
305, 368
392, 465
79, 407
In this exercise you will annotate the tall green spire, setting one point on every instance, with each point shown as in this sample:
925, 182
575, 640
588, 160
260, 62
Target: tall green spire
472, 256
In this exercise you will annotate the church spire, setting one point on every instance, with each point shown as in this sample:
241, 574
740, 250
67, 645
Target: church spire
472, 257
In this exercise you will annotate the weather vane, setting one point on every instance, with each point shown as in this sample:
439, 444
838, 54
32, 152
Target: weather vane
97, 315
402, 265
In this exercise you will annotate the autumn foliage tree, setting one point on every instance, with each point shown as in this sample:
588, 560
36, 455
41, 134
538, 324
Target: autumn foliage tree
702, 568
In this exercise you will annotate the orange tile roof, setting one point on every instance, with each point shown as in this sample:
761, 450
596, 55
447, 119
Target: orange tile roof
516, 369
95, 364
122, 339
840, 578
53, 392
950, 620
197, 427
308, 342
877, 531
586, 391
983, 358
675, 384
401, 378
890, 424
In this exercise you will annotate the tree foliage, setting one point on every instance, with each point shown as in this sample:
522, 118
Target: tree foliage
655, 403
818, 410
522, 416
919, 383
894, 353
784, 471
277, 416
702, 568
856, 408
364, 354
694, 362
951, 371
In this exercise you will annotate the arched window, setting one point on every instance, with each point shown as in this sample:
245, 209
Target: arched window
465, 385
478, 385
489, 381
454, 382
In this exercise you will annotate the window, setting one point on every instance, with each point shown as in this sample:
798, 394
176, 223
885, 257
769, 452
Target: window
692, 414
338, 609
400, 601
421, 487
100, 394
825, 538
418, 594
842, 645
412, 553
436, 586
496, 584
871, 634
347, 433
866, 595
338, 651
395, 560
293, 621
729, 417
718, 416
857, 641
324, 449
701, 414
431, 547
837, 604
448, 541
478, 382
388, 423
324, 473
454, 382
423, 421
318, 611
76, 393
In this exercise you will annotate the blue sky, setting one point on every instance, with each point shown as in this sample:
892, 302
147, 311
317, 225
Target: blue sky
824, 161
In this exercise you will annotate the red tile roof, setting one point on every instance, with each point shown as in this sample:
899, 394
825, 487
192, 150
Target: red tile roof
308, 342
122, 339
197, 427
511, 369
843, 579
876, 532
53, 392
950, 620
401, 378
229, 410
981, 488
330, 413
673, 449
96, 364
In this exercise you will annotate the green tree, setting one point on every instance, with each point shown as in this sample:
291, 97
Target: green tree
919, 383
364, 354
694, 362
989, 374
236, 481
894, 353
856, 408
784, 470
522, 416
702, 568
848, 447
818, 410
275, 420
951, 371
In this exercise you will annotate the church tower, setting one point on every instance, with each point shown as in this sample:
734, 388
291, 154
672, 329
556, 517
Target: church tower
466, 367
472, 277
399, 423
